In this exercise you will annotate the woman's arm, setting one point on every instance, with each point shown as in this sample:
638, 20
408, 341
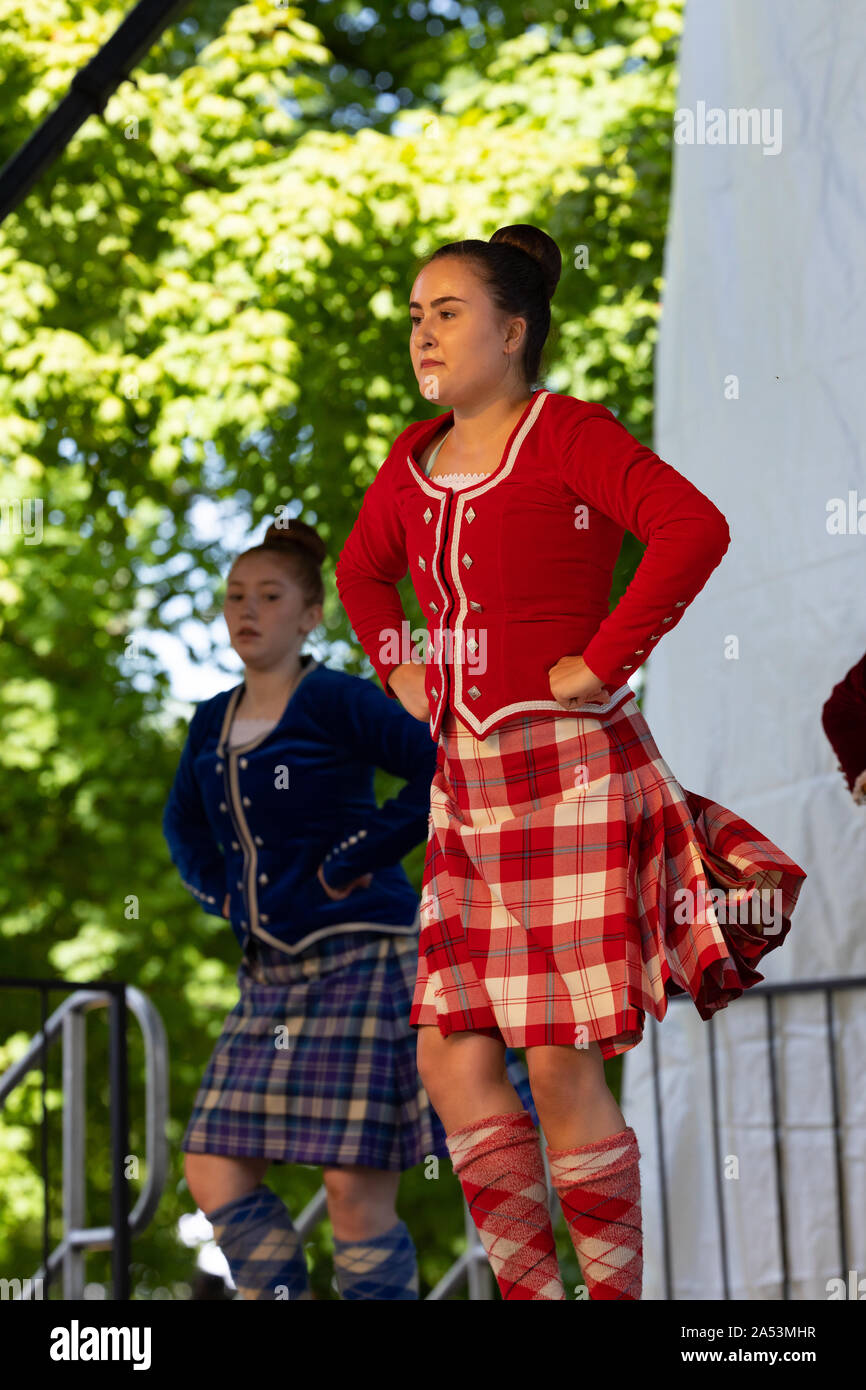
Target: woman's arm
380, 732
371, 564
189, 836
685, 536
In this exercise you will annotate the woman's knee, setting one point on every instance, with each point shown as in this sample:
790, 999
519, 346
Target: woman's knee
445, 1062
464, 1075
558, 1073
214, 1179
362, 1202
356, 1187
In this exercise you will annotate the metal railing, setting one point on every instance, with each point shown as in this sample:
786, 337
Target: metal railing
68, 1022
768, 992
471, 1268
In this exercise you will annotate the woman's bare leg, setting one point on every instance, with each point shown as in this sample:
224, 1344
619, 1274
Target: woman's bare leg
214, 1179
251, 1225
465, 1076
374, 1255
594, 1166
496, 1155
361, 1201
574, 1102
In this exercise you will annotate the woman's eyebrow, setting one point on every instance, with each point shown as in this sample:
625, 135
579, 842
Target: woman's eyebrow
443, 298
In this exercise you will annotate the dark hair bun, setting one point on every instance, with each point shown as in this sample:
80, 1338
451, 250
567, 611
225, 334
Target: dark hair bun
537, 244
291, 532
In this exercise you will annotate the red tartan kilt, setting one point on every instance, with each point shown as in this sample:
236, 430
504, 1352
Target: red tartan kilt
568, 886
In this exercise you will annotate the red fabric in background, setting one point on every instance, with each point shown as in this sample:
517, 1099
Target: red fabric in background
844, 719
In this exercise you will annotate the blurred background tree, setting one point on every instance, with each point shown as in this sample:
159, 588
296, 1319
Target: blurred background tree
204, 301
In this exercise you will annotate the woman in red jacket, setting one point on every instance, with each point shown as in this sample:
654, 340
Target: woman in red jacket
570, 883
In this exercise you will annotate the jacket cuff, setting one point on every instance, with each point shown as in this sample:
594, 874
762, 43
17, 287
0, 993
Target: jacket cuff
211, 902
612, 661
344, 862
609, 676
384, 670
610, 670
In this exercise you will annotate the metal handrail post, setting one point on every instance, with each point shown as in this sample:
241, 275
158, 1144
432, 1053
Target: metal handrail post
118, 1085
313, 1213
68, 1020
156, 1106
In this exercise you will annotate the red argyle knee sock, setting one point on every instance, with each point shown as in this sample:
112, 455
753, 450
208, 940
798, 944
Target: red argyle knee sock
598, 1186
498, 1161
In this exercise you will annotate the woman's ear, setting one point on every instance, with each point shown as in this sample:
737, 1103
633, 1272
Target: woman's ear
316, 614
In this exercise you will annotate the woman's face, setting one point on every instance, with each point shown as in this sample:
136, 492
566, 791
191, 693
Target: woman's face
462, 347
265, 611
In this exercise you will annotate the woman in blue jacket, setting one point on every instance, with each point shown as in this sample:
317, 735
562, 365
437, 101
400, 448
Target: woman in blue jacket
273, 822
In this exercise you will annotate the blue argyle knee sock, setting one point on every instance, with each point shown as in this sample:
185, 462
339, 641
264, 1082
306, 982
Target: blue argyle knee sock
264, 1251
383, 1267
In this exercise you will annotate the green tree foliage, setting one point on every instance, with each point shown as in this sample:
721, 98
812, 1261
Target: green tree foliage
206, 298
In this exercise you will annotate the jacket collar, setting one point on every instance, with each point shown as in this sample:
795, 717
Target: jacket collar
506, 463
310, 664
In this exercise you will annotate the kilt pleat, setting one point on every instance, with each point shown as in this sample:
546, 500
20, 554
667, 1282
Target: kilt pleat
316, 1063
571, 885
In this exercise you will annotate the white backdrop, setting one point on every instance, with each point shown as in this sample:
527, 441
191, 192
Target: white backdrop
766, 281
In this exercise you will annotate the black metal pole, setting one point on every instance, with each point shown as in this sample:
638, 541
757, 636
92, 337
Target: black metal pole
119, 1094
777, 1146
837, 1138
89, 91
43, 1147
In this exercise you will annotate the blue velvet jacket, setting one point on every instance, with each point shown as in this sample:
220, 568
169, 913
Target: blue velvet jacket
257, 820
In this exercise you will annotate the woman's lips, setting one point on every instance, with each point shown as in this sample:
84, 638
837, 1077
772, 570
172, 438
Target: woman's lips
431, 362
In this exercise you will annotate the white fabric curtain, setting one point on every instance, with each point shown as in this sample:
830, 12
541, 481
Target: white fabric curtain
761, 402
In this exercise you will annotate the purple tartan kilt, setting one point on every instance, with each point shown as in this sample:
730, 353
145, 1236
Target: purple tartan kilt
346, 1090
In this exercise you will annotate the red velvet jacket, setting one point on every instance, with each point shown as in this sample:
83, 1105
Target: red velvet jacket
515, 572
